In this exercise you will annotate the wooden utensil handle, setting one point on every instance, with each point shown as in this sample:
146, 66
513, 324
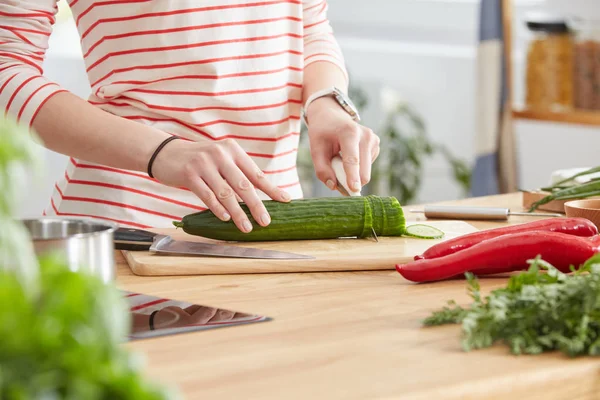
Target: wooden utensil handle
462, 213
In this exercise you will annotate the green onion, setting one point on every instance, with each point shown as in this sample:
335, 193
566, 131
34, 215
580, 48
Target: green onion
575, 192
577, 175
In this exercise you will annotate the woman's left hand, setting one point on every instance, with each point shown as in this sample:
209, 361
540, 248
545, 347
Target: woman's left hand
332, 131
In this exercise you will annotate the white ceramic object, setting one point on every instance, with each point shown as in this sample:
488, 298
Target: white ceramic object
338, 167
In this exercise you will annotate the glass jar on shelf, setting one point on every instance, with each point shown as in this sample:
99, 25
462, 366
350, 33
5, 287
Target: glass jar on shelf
549, 64
586, 63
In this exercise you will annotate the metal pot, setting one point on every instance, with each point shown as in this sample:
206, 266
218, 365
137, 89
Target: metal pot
88, 245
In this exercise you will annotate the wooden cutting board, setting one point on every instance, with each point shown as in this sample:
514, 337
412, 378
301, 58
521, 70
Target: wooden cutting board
330, 255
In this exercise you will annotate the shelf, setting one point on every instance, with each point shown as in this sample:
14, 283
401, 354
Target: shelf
572, 117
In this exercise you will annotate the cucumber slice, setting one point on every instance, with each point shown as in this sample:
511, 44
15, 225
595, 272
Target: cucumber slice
423, 231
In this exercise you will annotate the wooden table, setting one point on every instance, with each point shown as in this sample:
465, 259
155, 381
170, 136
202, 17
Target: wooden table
345, 336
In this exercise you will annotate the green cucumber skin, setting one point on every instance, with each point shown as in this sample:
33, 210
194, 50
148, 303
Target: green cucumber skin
305, 219
394, 221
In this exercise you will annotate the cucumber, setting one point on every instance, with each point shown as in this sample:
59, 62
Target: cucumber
422, 231
306, 219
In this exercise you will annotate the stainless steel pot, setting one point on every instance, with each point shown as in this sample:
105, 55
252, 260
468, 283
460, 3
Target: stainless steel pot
87, 244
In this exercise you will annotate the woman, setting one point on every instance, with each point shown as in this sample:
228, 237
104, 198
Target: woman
228, 78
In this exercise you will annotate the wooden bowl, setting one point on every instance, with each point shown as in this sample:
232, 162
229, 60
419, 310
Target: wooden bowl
588, 209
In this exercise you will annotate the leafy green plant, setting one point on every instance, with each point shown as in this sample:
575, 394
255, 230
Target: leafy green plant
60, 331
405, 148
539, 310
16, 154
405, 152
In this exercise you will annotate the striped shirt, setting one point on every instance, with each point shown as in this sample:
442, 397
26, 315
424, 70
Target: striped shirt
202, 70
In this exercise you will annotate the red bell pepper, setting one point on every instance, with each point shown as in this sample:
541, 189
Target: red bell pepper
571, 226
506, 253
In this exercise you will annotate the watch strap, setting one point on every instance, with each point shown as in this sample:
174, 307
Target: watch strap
334, 92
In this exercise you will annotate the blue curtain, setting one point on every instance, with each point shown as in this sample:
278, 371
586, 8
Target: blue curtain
494, 170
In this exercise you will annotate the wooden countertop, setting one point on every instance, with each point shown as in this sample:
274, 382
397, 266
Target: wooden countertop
345, 336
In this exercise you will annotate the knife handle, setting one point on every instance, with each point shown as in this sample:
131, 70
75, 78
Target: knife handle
466, 212
133, 239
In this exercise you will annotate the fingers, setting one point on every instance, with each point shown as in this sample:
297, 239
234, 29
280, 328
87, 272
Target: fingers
238, 181
202, 315
322, 164
365, 163
257, 177
350, 149
169, 317
359, 147
369, 150
375, 143
201, 189
226, 196
192, 309
222, 316
222, 175
375, 153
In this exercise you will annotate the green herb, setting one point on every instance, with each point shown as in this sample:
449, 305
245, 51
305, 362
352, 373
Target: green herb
562, 182
588, 189
61, 332
17, 155
539, 310
67, 343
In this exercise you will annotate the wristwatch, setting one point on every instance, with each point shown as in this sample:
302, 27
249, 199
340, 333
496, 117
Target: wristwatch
339, 96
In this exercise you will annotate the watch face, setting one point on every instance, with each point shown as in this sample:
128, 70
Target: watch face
347, 104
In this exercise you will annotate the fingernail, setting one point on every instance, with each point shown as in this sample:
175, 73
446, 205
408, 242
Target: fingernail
330, 184
226, 217
247, 226
265, 219
356, 186
285, 195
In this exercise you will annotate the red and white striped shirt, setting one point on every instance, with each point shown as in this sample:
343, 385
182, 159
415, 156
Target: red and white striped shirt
202, 70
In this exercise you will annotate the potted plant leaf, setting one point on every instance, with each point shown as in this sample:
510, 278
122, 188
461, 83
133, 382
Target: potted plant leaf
61, 332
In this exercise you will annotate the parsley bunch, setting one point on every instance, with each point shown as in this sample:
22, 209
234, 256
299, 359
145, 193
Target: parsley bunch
539, 310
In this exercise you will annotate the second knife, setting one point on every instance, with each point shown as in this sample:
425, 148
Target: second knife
141, 240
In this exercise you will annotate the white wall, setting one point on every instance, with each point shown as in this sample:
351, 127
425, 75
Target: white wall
64, 65
424, 48
428, 56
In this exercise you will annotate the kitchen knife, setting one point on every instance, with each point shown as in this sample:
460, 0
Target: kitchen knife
342, 182
340, 175
138, 239
475, 213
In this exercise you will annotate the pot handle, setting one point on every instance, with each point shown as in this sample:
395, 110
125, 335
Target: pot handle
133, 239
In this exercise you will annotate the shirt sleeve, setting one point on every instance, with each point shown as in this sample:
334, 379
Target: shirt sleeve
25, 27
319, 42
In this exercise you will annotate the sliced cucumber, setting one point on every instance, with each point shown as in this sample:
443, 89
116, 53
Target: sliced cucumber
423, 231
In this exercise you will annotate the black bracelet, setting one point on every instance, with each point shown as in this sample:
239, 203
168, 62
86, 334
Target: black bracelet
158, 149
152, 319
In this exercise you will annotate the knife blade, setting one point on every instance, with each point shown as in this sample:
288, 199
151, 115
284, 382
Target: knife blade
139, 239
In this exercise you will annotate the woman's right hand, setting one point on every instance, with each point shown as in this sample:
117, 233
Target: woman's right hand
216, 172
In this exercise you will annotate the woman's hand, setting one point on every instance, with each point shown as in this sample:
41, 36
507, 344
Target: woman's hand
332, 131
220, 173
